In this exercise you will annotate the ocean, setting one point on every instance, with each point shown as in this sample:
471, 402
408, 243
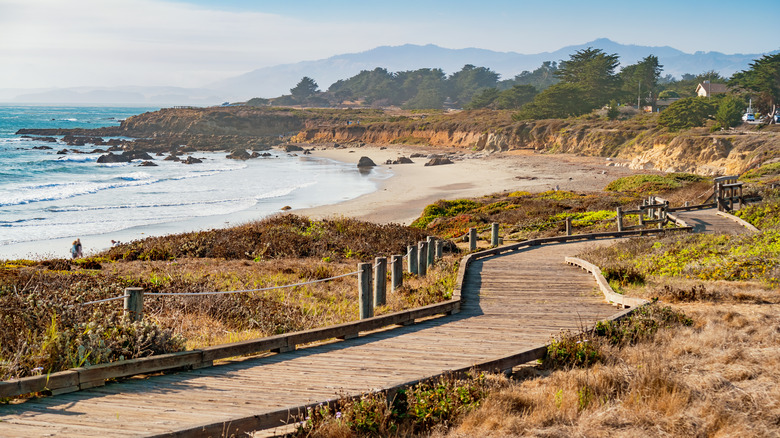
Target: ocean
48, 199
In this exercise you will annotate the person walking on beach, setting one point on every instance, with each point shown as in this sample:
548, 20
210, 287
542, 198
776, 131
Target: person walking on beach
75, 250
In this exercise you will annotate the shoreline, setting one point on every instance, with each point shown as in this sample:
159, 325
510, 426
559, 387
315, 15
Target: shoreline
402, 198
402, 191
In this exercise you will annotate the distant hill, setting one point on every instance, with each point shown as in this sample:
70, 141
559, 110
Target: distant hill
277, 80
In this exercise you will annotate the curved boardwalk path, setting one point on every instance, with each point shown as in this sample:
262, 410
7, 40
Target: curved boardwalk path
709, 221
513, 303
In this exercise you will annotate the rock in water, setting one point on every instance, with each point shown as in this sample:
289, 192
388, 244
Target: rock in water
192, 160
438, 161
366, 162
292, 148
239, 154
147, 164
112, 158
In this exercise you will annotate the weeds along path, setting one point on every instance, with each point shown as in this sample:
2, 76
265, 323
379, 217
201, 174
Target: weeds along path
512, 303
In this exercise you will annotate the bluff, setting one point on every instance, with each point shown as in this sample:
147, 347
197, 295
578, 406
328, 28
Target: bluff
639, 140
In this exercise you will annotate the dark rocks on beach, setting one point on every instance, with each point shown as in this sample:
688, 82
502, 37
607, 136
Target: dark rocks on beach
366, 162
172, 157
239, 154
115, 149
292, 148
47, 139
185, 148
400, 160
147, 164
138, 155
81, 140
98, 151
417, 155
113, 158
438, 161
192, 160
265, 154
62, 152
42, 148
307, 152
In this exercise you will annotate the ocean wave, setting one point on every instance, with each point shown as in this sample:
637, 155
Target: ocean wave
57, 191
76, 159
284, 191
78, 208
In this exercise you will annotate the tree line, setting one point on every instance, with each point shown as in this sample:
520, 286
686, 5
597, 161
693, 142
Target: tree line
588, 80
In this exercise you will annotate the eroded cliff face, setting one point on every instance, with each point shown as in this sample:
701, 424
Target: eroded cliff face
638, 140
646, 146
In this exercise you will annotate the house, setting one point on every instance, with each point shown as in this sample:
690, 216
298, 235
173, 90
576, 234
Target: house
707, 89
661, 104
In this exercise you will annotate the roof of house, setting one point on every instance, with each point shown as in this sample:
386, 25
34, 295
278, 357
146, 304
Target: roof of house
712, 88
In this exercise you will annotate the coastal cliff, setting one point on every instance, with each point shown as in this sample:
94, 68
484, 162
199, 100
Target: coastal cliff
638, 140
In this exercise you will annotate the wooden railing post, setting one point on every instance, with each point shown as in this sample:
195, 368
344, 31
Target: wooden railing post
134, 303
439, 249
472, 239
568, 225
380, 281
619, 218
494, 234
411, 259
396, 272
422, 262
364, 291
431, 250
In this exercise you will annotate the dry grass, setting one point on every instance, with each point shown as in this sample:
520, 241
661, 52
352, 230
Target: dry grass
716, 378
45, 329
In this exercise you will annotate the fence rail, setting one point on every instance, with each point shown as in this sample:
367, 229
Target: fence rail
417, 257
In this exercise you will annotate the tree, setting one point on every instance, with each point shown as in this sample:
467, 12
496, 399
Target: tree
763, 79
641, 80
668, 94
687, 113
594, 72
515, 97
305, 89
483, 99
558, 101
463, 85
729, 112
612, 110
541, 78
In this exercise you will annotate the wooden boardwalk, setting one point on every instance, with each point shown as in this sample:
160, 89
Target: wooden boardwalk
709, 221
513, 303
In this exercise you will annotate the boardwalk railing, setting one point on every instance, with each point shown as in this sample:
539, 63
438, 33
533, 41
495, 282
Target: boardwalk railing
87, 377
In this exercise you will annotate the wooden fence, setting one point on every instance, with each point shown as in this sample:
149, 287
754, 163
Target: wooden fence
87, 377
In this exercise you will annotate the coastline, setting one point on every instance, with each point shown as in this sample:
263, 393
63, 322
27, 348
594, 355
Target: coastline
402, 197
402, 191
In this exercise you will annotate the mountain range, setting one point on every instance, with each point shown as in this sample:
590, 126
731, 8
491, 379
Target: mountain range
277, 80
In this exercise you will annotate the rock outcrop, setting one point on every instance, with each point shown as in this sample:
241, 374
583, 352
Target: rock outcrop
366, 162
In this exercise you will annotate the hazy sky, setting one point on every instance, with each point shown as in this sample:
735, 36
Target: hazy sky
189, 43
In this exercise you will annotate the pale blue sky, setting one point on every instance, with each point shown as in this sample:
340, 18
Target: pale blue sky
61, 43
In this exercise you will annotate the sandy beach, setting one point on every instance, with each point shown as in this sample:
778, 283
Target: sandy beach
403, 190
402, 197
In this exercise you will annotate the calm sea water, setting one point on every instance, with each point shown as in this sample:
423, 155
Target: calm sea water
46, 196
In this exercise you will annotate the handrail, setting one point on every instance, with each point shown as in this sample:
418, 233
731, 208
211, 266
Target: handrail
609, 294
87, 377
750, 227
